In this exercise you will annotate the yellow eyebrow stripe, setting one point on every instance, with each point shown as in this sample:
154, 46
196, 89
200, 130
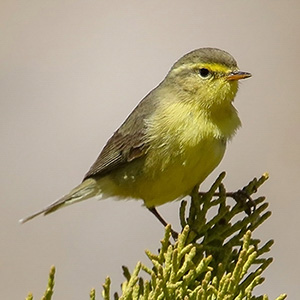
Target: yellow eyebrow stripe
215, 68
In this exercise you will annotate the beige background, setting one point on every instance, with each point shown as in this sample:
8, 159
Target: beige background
71, 71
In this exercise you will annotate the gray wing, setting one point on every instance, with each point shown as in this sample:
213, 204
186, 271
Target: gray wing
128, 142
120, 149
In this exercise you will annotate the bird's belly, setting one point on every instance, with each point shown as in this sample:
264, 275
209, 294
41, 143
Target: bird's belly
167, 177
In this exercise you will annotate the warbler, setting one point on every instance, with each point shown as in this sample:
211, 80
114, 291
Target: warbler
172, 140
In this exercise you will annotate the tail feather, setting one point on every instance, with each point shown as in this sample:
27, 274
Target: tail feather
87, 189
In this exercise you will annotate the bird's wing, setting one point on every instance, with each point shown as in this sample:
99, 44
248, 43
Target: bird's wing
120, 149
128, 142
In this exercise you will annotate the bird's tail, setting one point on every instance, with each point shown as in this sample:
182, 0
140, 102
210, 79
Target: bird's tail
87, 189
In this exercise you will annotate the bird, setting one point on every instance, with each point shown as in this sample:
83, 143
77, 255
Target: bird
174, 138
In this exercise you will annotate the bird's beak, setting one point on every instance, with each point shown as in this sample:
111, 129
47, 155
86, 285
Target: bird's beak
237, 75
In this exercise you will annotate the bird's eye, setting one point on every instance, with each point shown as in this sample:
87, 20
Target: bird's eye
204, 73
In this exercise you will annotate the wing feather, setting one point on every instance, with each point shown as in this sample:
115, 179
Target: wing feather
128, 142
119, 150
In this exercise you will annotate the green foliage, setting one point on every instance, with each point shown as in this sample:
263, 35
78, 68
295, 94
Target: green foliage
178, 274
214, 258
49, 290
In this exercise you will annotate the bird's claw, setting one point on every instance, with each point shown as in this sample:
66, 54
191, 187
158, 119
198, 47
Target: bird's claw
243, 198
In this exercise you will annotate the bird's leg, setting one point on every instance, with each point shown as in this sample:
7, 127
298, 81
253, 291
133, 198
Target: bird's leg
244, 199
162, 221
240, 196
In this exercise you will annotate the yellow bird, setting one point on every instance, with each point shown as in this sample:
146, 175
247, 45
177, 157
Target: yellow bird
173, 139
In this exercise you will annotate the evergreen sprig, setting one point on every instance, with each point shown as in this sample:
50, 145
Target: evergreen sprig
214, 258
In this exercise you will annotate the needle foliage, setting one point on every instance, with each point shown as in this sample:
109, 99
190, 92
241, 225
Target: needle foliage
215, 256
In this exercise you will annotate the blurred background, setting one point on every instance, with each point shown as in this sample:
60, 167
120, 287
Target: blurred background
71, 71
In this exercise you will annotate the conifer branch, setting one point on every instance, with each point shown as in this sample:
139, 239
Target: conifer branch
215, 256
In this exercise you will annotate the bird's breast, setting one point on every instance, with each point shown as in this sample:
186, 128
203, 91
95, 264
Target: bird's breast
184, 146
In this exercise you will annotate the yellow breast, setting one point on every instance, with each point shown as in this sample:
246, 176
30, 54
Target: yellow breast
186, 144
